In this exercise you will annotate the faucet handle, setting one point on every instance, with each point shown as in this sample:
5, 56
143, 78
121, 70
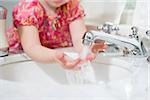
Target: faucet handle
134, 30
116, 29
108, 27
134, 33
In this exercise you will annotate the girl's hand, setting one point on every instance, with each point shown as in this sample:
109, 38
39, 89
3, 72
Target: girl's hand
98, 46
66, 61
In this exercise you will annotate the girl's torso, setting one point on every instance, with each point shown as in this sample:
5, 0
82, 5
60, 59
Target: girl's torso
53, 31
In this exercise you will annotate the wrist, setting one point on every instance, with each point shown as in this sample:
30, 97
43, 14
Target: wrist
54, 56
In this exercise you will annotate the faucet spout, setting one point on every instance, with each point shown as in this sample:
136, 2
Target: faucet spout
131, 44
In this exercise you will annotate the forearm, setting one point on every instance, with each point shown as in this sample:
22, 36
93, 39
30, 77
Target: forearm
77, 43
78, 29
40, 53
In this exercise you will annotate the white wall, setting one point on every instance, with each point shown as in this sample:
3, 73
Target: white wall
142, 14
100, 11
97, 11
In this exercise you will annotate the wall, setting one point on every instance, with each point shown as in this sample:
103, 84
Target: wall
101, 11
97, 11
128, 13
142, 13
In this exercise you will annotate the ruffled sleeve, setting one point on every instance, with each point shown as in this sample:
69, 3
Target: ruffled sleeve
73, 10
26, 13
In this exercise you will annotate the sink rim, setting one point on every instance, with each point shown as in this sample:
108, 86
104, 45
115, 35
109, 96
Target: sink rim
103, 60
121, 67
122, 63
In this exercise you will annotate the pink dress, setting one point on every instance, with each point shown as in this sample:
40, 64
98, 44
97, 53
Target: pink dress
53, 32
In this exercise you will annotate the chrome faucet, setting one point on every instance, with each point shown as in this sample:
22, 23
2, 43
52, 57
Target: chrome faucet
132, 45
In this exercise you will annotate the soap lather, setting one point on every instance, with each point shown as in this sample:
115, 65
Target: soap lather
3, 40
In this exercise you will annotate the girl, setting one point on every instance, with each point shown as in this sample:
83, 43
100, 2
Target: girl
40, 26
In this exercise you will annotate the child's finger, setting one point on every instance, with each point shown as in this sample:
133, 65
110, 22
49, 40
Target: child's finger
91, 57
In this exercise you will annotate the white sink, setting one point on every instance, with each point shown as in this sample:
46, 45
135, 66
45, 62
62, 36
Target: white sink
112, 75
23, 71
106, 69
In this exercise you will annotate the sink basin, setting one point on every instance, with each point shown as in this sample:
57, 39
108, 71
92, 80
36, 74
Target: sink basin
109, 72
23, 71
112, 76
105, 68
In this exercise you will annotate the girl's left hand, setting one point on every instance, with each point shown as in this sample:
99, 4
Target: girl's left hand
98, 46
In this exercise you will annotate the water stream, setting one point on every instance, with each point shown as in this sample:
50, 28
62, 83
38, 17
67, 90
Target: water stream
85, 74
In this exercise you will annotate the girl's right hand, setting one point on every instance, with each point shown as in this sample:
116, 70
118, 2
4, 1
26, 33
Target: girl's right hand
65, 61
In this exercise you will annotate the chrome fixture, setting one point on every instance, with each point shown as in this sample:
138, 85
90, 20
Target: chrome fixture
108, 27
131, 45
134, 33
